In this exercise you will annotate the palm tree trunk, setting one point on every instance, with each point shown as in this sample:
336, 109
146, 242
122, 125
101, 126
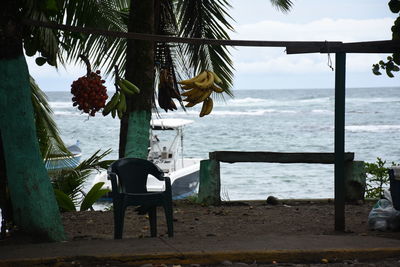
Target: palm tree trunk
35, 210
135, 124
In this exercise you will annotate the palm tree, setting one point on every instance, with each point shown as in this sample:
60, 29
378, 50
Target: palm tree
22, 173
34, 206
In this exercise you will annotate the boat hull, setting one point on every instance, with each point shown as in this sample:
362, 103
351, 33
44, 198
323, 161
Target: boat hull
185, 186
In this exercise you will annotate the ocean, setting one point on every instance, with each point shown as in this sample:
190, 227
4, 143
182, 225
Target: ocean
295, 120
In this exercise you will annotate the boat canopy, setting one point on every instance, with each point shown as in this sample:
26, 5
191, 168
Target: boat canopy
169, 124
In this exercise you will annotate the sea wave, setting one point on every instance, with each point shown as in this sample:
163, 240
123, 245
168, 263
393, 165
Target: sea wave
58, 104
215, 112
373, 128
250, 101
322, 111
373, 100
247, 101
67, 113
314, 100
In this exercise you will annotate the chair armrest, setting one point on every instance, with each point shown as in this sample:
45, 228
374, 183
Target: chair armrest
114, 184
167, 181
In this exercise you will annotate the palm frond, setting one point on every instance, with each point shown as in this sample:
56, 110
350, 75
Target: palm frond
71, 181
206, 19
39, 39
103, 51
282, 5
47, 132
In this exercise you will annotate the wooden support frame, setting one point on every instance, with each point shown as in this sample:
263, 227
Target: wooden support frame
292, 47
210, 185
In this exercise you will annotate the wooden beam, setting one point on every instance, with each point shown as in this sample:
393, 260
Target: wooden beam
277, 157
292, 47
386, 46
173, 39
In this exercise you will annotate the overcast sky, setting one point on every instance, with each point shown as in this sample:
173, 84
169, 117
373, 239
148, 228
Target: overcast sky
271, 68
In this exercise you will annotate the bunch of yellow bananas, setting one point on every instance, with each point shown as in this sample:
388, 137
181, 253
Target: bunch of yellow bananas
199, 89
117, 104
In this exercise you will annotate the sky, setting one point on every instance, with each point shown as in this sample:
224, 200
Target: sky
272, 68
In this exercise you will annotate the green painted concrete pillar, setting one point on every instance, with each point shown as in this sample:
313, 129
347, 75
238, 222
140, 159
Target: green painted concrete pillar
35, 210
340, 179
355, 181
210, 182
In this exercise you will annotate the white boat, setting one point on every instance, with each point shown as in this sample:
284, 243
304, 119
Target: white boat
168, 156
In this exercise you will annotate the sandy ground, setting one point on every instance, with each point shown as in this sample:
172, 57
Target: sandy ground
232, 218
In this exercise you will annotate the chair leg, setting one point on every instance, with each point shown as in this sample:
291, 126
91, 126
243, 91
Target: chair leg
169, 218
153, 221
119, 215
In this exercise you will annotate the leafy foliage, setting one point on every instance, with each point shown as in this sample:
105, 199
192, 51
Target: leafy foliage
64, 202
377, 178
104, 51
393, 62
71, 182
388, 66
48, 135
93, 195
53, 45
282, 5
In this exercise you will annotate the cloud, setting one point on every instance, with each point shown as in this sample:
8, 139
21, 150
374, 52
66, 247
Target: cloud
262, 60
346, 30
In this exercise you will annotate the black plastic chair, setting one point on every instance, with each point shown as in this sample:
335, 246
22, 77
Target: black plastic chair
128, 179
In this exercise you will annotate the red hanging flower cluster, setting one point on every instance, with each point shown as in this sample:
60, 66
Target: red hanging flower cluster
89, 93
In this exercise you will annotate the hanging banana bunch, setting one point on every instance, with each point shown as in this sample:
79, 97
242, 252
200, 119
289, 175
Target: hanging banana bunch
117, 104
199, 89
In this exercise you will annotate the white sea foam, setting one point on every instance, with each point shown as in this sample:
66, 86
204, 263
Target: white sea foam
55, 105
239, 113
249, 101
216, 112
322, 111
314, 100
373, 128
373, 100
245, 102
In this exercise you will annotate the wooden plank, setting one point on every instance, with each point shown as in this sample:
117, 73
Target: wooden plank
276, 157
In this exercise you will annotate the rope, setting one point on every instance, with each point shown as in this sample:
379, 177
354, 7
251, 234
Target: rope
329, 56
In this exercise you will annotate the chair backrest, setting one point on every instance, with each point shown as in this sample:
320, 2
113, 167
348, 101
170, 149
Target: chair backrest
132, 174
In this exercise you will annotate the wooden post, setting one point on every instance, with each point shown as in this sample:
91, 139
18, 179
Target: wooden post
340, 179
210, 184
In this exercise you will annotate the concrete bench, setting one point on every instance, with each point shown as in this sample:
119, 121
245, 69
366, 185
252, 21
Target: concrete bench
210, 182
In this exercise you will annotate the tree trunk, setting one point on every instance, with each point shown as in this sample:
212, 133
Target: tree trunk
35, 210
135, 124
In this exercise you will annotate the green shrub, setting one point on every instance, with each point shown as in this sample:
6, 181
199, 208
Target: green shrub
377, 178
